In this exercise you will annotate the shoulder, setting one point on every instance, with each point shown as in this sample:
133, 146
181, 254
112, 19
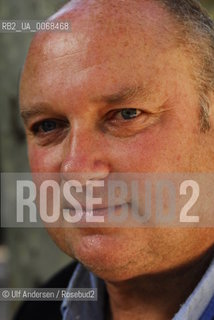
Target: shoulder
47, 309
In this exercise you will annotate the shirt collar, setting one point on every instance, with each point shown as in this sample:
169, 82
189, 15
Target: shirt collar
87, 310
199, 302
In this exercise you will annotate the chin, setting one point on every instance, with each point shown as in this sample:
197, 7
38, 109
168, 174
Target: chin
102, 251
112, 254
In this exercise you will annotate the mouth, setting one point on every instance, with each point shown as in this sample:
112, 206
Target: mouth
96, 216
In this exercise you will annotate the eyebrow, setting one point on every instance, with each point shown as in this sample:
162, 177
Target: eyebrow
124, 95
36, 110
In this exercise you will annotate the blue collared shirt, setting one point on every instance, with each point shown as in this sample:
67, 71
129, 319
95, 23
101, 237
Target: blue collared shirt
199, 305
85, 310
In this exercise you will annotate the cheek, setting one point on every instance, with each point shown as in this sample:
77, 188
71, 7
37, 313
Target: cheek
167, 147
43, 159
144, 153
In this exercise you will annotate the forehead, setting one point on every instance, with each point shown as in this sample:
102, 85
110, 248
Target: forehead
120, 40
106, 22
105, 27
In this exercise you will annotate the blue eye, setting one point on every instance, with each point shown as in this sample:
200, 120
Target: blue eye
127, 114
48, 125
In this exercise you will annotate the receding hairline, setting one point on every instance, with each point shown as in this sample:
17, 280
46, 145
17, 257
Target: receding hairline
133, 26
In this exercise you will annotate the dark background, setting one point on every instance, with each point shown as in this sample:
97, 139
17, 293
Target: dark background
27, 256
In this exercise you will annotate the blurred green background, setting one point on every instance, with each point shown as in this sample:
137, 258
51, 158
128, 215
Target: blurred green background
209, 5
27, 256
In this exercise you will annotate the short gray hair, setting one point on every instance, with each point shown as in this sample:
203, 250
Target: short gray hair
197, 35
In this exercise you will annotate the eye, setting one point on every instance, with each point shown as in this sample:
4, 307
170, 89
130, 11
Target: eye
127, 114
127, 122
48, 125
49, 131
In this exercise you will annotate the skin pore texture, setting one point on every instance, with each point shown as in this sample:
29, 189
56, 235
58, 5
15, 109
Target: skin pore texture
120, 55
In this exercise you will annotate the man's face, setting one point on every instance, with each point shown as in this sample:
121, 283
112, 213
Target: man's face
76, 92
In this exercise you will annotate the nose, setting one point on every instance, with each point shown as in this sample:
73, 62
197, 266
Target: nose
85, 156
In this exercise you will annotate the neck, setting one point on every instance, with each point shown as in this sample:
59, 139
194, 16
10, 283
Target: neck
156, 297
